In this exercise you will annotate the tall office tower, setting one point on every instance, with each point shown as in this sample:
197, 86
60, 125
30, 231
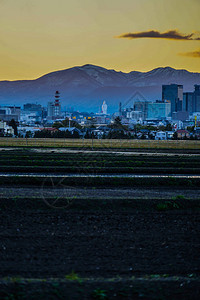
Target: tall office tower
141, 106
158, 110
50, 109
173, 93
188, 102
57, 111
197, 98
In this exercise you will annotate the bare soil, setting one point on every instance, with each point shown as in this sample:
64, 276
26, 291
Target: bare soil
100, 238
102, 243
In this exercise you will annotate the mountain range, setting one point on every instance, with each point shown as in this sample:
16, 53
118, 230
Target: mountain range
86, 87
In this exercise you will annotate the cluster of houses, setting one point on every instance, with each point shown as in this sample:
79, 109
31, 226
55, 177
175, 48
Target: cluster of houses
147, 134
157, 131
100, 132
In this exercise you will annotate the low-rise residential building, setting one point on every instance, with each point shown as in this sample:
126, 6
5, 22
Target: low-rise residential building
181, 134
161, 135
72, 130
170, 135
5, 129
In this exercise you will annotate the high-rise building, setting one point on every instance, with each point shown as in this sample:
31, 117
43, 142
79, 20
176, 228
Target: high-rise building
191, 101
158, 110
197, 98
50, 109
174, 94
141, 106
188, 102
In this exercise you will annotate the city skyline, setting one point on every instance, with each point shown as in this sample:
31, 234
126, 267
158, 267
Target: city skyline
38, 37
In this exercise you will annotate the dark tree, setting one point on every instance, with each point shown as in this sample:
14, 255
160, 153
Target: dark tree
175, 136
65, 123
13, 124
117, 123
57, 125
75, 135
168, 127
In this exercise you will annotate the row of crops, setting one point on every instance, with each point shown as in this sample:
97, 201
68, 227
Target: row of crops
100, 163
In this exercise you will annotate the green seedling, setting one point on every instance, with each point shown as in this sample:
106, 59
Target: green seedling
167, 205
178, 197
99, 294
73, 277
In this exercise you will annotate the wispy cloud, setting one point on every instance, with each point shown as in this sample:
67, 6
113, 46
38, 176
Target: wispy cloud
154, 34
194, 54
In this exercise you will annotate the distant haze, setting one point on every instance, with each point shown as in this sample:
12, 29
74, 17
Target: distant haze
85, 88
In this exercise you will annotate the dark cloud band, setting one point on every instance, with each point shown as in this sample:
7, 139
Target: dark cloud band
194, 54
154, 34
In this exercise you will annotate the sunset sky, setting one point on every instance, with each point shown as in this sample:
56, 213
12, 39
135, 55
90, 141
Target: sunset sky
40, 36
